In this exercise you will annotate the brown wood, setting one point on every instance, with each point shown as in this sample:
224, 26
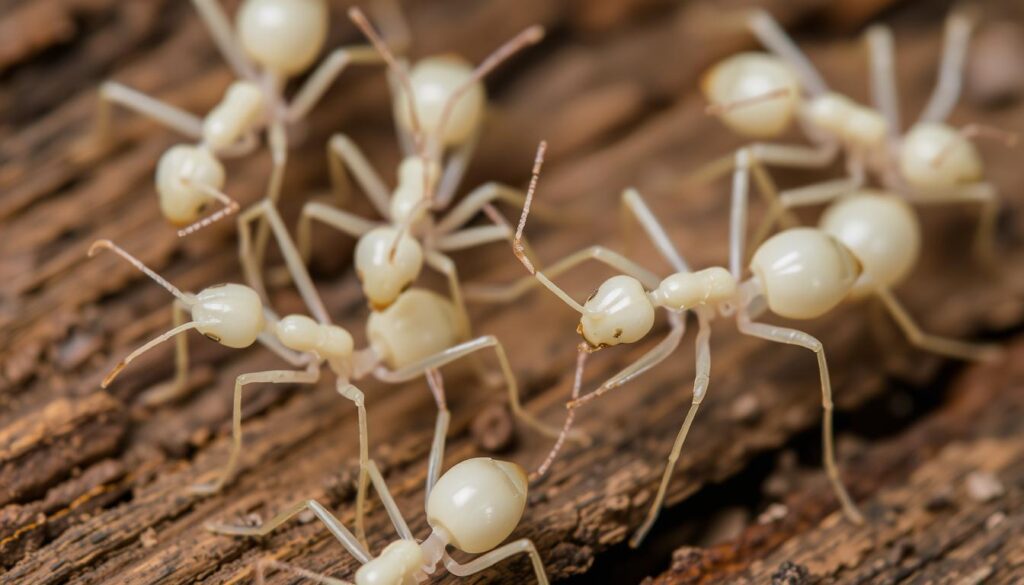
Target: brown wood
92, 484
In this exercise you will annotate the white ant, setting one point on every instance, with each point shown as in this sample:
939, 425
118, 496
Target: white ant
414, 337
759, 95
473, 507
272, 42
445, 102
800, 273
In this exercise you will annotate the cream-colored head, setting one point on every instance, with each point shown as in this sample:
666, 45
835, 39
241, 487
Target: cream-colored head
384, 269
415, 178
236, 114
302, 333
686, 290
735, 85
854, 124
180, 174
433, 81
397, 564
477, 503
804, 272
619, 312
283, 36
230, 314
881, 230
936, 156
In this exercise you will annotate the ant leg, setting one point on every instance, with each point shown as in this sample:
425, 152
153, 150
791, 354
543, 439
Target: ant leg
633, 203
308, 376
582, 351
475, 200
795, 337
472, 237
342, 152
279, 157
223, 35
178, 388
349, 391
394, 514
797, 156
321, 79
112, 93
656, 355
436, 384
446, 266
459, 351
700, 388
775, 39
510, 292
884, 95
342, 221
941, 345
951, 70
454, 171
984, 195
300, 276
336, 528
488, 560
299, 571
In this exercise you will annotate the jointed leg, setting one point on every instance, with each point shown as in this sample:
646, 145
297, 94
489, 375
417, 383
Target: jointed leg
343, 152
487, 560
459, 351
347, 390
472, 237
308, 376
473, 202
175, 118
299, 571
394, 514
796, 337
796, 156
346, 538
436, 384
775, 39
953, 348
634, 204
700, 387
883, 81
813, 194
325, 74
983, 194
224, 36
178, 388
279, 158
951, 70
454, 170
342, 221
446, 266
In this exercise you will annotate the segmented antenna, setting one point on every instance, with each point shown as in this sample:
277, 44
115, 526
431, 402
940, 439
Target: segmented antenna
1009, 139
230, 207
107, 244
517, 243
719, 109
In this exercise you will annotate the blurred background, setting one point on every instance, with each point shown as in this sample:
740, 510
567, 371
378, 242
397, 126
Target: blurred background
93, 484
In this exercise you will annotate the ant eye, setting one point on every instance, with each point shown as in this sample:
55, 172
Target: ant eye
202, 207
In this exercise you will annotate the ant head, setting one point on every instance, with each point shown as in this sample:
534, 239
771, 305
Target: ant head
755, 94
230, 314
433, 82
881, 230
182, 175
618, 312
478, 503
937, 156
804, 272
284, 36
387, 261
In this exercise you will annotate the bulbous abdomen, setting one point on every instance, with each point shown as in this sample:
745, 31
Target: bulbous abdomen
420, 323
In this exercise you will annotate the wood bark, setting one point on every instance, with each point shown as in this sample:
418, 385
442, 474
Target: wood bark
93, 485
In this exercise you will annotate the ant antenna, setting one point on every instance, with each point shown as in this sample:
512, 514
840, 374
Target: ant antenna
517, 243
719, 109
107, 244
230, 207
525, 38
582, 351
1009, 139
148, 346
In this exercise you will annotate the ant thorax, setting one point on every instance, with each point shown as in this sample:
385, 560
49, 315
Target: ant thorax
303, 334
417, 180
420, 323
859, 127
935, 156
687, 290
240, 112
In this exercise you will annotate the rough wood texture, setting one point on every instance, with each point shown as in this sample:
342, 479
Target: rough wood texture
92, 484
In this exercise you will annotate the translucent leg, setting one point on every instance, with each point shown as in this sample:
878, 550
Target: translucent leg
814, 194
308, 376
473, 202
953, 348
457, 352
796, 337
582, 351
511, 292
700, 388
262, 565
984, 195
394, 514
224, 36
279, 158
342, 152
174, 118
350, 392
777, 155
738, 213
488, 560
342, 221
951, 71
633, 204
179, 387
454, 170
346, 538
775, 39
472, 237
293, 261
884, 94
325, 74
655, 356
436, 384
446, 266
